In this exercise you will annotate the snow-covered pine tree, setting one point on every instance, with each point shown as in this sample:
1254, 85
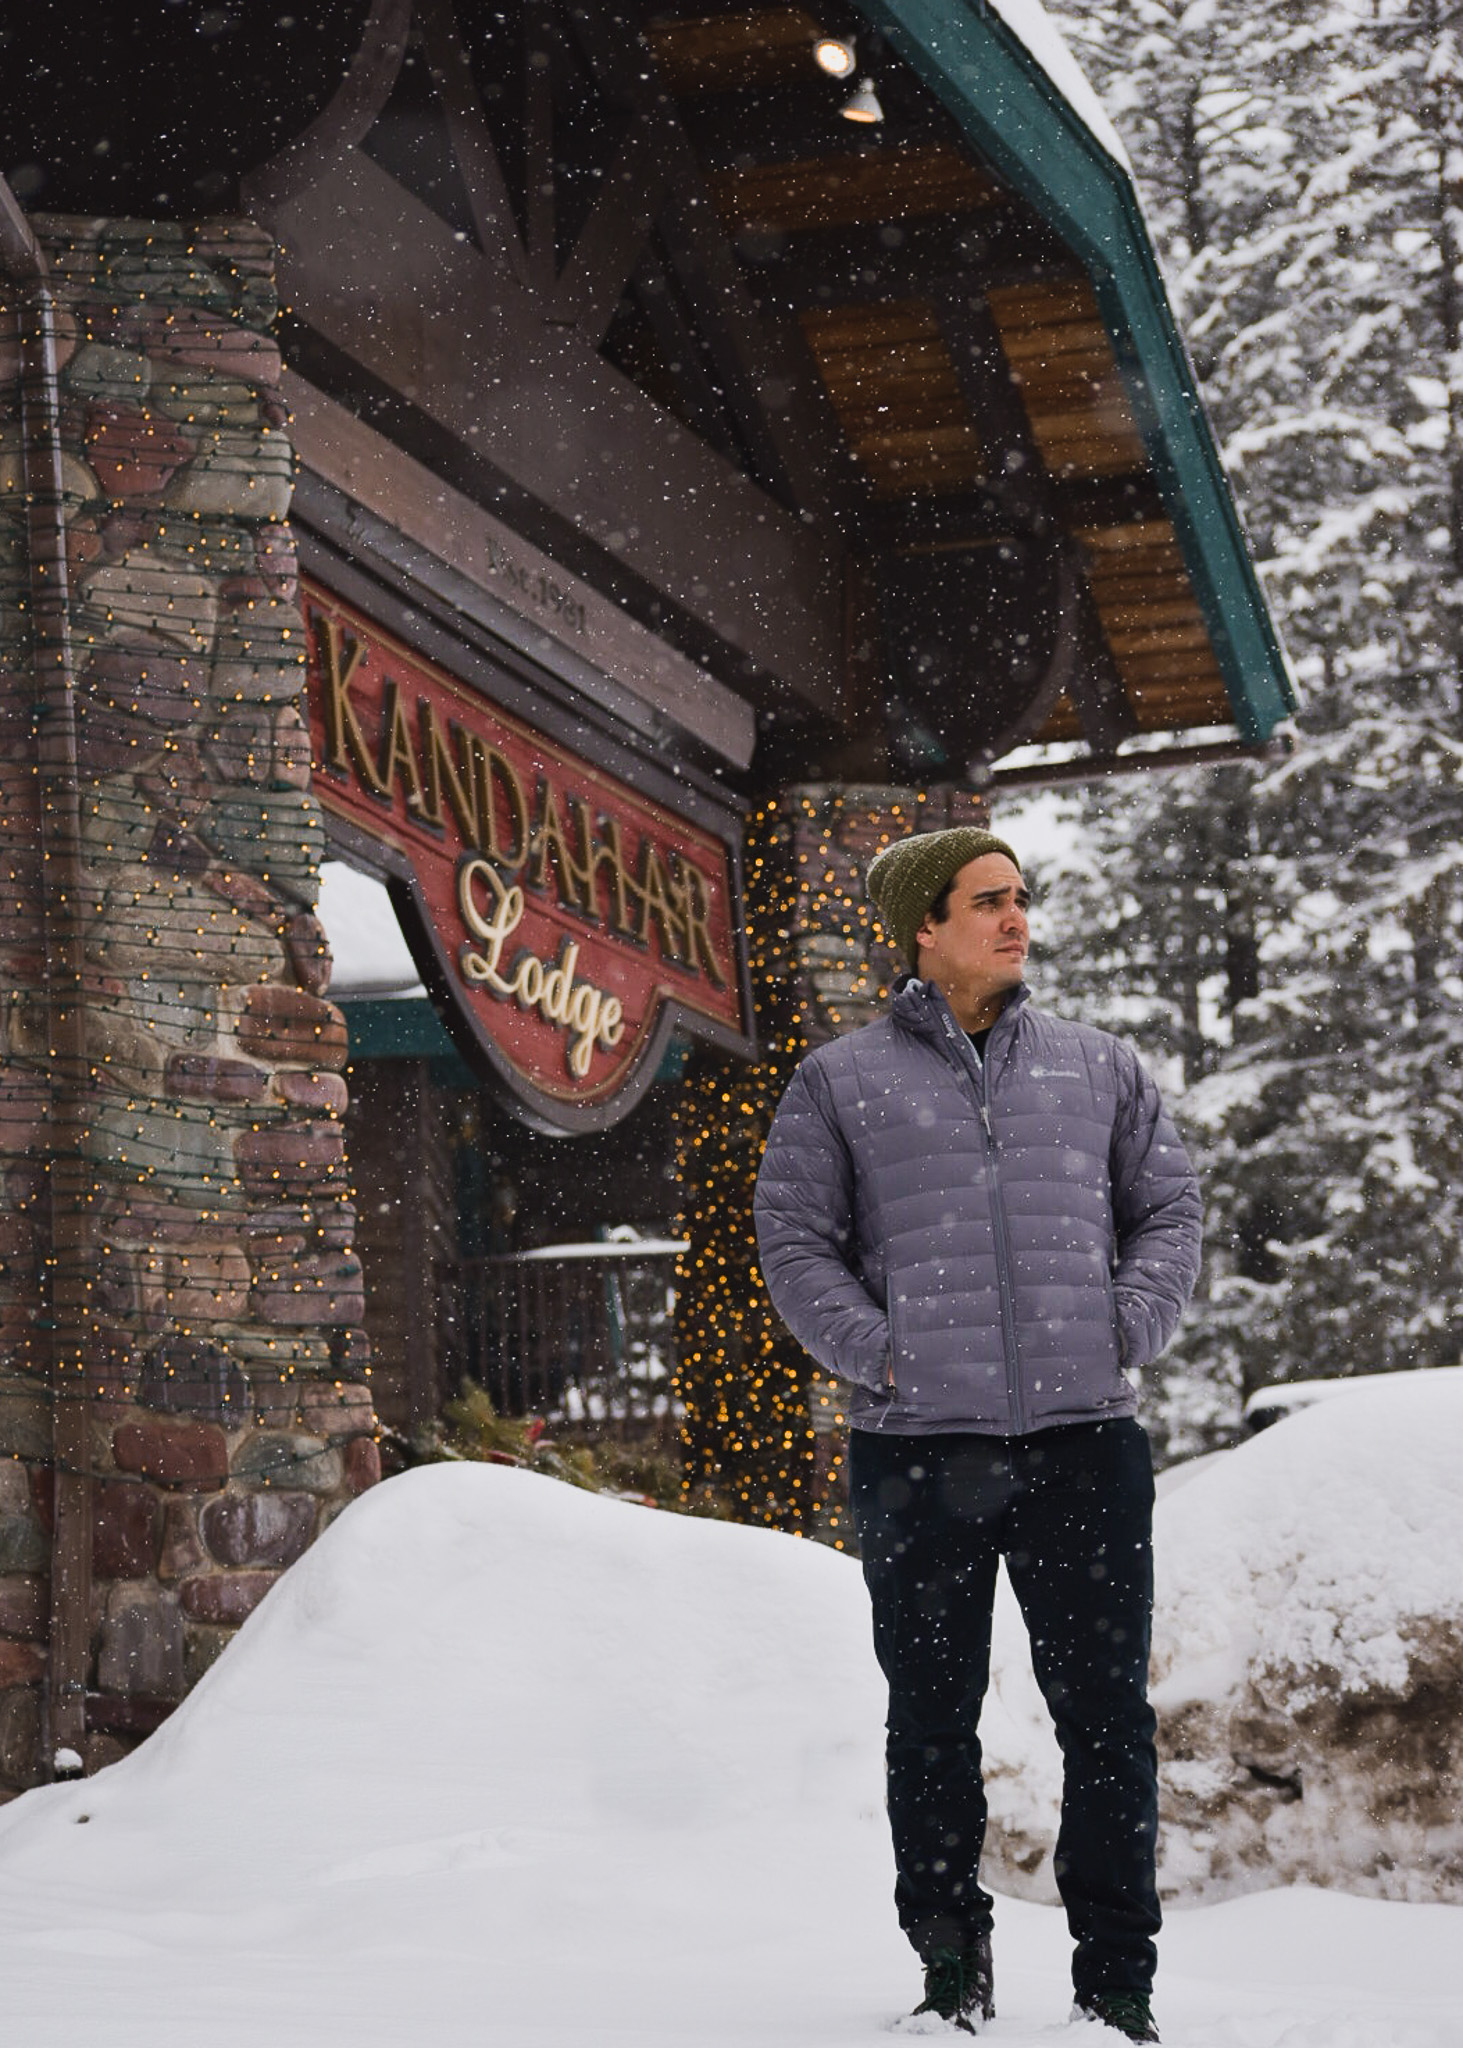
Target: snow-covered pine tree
1304, 170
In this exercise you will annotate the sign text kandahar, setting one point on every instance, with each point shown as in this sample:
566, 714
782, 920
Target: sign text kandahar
564, 908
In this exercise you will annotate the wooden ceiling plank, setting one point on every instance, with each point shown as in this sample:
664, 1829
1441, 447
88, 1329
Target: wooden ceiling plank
727, 52
1094, 459
1149, 668
991, 390
1135, 598
910, 442
1037, 344
1140, 612
1162, 640
1129, 533
875, 186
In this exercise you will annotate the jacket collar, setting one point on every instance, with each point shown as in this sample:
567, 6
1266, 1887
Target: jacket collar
920, 1007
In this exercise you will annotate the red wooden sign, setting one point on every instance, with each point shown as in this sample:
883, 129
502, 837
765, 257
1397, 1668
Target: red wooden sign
565, 922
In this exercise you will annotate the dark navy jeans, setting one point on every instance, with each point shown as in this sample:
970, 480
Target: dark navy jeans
1071, 1511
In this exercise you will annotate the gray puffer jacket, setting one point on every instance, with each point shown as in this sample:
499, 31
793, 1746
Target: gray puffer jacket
1008, 1234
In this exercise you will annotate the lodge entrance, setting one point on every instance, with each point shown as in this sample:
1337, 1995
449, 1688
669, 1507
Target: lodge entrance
540, 1270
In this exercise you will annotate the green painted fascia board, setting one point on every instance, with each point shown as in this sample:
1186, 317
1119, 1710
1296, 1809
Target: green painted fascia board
408, 1028
402, 1028
1018, 119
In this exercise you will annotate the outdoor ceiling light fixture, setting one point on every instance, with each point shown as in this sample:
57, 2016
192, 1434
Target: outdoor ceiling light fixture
864, 106
835, 57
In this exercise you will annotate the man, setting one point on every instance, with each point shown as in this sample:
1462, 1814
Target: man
981, 1217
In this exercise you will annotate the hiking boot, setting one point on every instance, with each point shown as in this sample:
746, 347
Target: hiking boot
959, 1985
1126, 2012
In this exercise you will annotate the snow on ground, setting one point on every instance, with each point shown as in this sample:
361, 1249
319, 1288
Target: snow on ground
504, 1763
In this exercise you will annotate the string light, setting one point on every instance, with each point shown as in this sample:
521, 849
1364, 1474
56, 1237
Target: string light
762, 1426
203, 1261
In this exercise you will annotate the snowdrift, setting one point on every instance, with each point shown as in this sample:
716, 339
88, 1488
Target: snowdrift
504, 1764
497, 1731
1308, 1663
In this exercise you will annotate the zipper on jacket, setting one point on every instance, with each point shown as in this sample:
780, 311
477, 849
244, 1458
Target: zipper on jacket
963, 1056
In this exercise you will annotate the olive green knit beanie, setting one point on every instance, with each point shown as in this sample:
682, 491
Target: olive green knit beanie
904, 880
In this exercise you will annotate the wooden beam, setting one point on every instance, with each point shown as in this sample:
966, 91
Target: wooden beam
1095, 684
567, 624
698, 399
606, 255
348, 118
532, 411
493, 218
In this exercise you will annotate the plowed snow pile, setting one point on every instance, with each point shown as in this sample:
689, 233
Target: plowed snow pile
499, 1762
1307, 1662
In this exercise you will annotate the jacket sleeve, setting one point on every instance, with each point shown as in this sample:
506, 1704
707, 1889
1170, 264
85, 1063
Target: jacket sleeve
1158, 1215
805, 1237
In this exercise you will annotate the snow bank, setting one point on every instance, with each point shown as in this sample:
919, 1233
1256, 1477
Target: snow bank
504, 1764
535, 1748
535, 1654
1308, 1663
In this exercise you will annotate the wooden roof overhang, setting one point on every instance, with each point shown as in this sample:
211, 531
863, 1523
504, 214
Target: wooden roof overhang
1024, 437
885, 435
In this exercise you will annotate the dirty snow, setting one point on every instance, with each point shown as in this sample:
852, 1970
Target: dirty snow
1307, 1661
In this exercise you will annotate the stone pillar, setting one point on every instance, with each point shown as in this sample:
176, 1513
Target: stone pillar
762, 1424
226, 1370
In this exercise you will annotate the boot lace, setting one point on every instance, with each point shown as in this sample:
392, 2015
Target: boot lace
952, 1987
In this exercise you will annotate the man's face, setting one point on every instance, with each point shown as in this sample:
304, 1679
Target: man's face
978, 951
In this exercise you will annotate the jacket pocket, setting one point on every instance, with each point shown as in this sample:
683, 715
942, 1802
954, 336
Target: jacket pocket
898, 1319
1122, 1363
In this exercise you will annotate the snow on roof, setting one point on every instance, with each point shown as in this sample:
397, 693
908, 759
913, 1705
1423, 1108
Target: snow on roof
1033, 27
370, 954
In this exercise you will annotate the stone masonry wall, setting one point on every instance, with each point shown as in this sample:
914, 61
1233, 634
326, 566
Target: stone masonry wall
230, 1407
824, 960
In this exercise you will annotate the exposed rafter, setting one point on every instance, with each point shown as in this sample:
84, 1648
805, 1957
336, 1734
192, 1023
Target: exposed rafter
878, 335
978, 353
